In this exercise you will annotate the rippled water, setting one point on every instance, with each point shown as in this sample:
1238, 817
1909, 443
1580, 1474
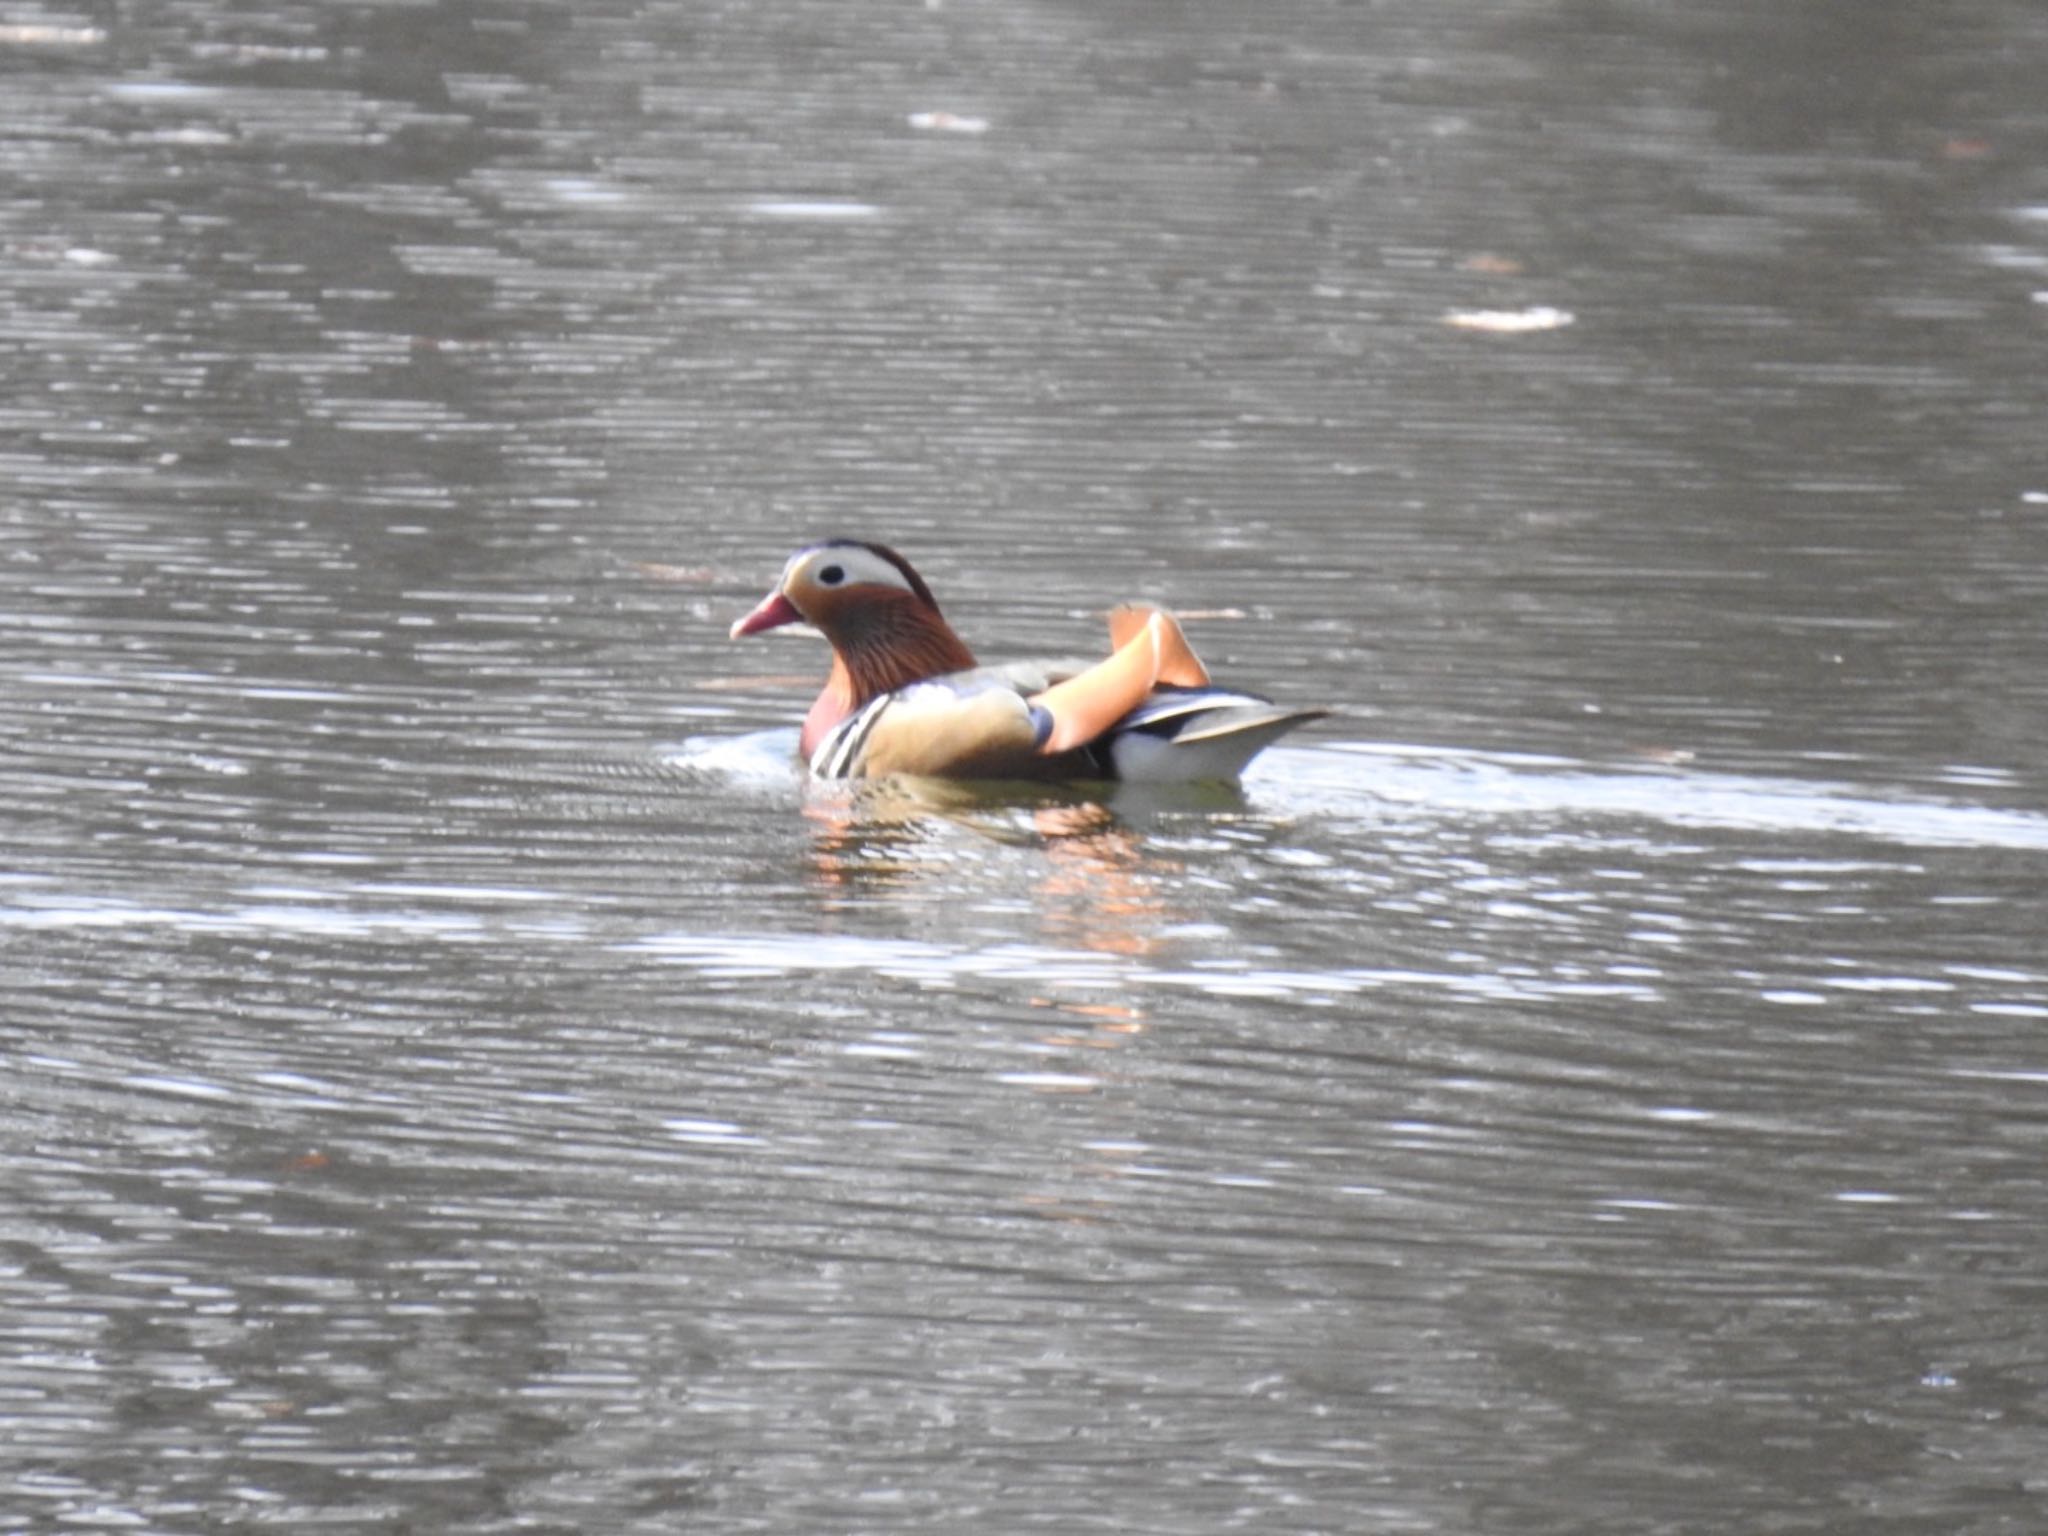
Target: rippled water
460, 1078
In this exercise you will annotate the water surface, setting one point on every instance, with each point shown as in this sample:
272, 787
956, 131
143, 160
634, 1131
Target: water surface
459, 1077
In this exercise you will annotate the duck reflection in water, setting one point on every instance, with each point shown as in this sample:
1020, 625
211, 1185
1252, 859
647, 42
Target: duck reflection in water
1072, 872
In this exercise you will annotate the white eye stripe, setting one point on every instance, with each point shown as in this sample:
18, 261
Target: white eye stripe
854, 567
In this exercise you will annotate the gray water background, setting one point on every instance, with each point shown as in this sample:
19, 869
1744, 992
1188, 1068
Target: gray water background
455, 1077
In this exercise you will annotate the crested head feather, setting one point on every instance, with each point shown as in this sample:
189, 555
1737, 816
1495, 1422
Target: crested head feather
917, 584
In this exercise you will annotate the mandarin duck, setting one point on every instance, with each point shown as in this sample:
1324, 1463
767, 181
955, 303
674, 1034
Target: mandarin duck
906, 696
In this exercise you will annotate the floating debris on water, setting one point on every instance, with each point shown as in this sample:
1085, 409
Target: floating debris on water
32, 36
1510, 322
812, 208
947, 122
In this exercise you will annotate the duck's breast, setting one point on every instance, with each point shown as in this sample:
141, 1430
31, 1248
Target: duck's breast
958, 727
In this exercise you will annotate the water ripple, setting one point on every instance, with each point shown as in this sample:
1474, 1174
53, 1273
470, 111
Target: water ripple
1349, 777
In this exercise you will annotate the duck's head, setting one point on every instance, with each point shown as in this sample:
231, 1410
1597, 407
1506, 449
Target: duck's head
883, 623
841, 586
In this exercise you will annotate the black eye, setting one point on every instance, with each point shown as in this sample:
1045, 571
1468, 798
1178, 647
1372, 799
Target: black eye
832, 575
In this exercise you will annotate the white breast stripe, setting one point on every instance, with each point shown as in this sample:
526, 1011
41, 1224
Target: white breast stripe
840, 750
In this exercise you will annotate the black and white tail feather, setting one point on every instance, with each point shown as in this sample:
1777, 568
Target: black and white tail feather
1191, 735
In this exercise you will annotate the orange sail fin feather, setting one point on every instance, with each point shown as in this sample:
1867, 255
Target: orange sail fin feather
1085, 706
906, 697
1179, 666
